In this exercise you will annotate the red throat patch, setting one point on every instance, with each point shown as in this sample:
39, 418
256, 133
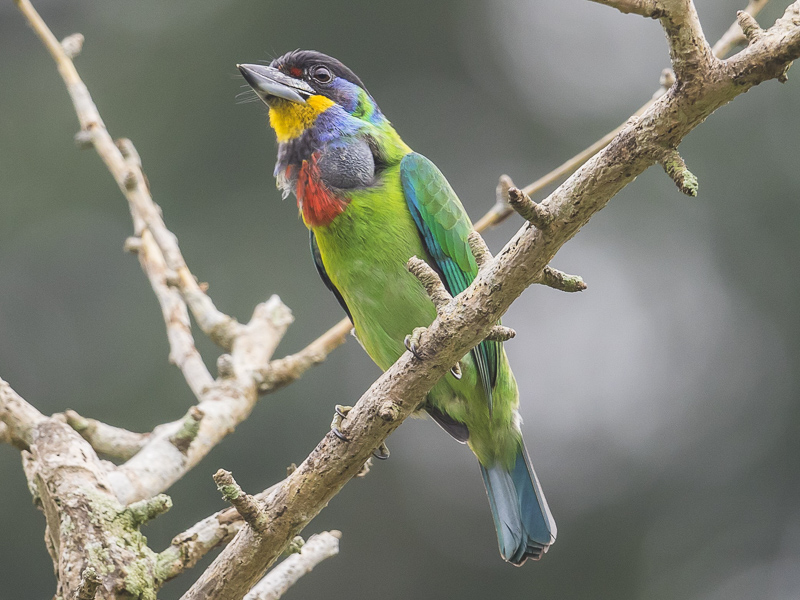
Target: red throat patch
320, 206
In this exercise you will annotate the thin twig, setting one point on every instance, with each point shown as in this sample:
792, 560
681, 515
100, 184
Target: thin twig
275, 583
224, 402
246, 505
734, 36
561, 281
283, 371
107, 439
18, 416
132, 182
500, 212
644, 8
188, 547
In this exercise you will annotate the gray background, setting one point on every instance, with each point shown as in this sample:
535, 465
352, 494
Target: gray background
660, 405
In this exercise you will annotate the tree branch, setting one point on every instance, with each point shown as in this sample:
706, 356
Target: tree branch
246, 505
502, 210
182, 350
561, 281
189, 547
87, 528
226, 403
107, 439
734, 35
18, 416
124, 165
646, 8
283, 371
285, 575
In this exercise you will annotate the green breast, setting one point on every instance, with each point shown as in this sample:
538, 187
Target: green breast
365, 250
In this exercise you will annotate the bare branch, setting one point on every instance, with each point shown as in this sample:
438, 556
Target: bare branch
72, 44
500, 333
131, 180
430, 281
86, 526
5, 434
283, 371
479, 249
501, 209
275, 583
107, 439
688, 48
182, 350
734, 36
750, 28
146, 510
529, 210
189, 547
561, 281
225, 404
246, 505
675, 167
771, 55
645, 8
18, 416
190, 427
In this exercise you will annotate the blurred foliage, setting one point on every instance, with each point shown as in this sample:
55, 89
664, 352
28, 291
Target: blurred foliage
660, 405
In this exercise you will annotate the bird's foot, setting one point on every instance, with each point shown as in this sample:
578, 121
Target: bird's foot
365, 468
412, 341
456, 370
381, 452
339, 415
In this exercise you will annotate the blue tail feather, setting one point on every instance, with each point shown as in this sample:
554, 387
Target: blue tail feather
525, 528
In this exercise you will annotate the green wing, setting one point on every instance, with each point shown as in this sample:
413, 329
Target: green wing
444, 226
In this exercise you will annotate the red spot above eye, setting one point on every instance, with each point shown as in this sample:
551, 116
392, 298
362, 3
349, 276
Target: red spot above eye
296, 72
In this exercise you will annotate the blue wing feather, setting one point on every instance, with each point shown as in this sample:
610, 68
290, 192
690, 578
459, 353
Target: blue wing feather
444, 226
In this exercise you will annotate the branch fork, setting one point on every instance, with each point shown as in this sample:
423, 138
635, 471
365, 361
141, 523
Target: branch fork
246, 505
536, 214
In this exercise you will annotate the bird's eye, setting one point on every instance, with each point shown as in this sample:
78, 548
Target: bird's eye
321, 74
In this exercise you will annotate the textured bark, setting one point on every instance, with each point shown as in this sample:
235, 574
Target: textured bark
86, 525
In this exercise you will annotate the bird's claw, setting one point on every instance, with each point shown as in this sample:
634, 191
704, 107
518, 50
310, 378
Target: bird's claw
411, 341
456, 370
340, 414
381, 452
364, 468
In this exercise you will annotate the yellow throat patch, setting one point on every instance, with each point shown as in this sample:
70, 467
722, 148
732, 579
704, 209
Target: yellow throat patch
290, 119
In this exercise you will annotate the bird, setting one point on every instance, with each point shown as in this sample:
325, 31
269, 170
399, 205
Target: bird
370, 203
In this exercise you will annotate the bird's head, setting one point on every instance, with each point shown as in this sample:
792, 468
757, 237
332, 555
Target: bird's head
302, 85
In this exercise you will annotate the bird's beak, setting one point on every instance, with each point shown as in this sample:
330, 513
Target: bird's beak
270, 83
